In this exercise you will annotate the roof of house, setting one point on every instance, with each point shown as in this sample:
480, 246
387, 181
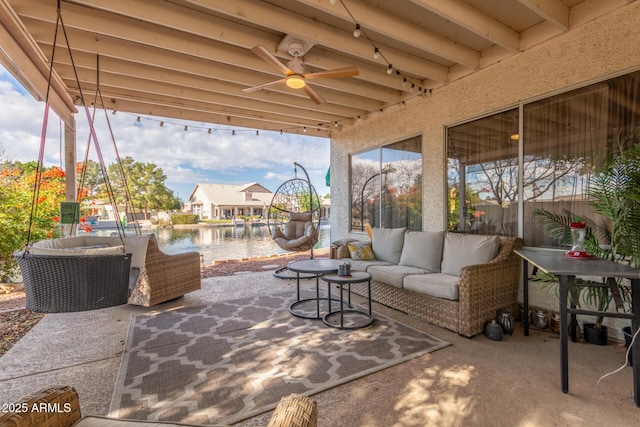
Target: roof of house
234, 195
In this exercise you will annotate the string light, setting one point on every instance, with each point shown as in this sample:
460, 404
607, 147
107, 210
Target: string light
209, 131
161, 124
113, 112
357, 32
186, 128
138, 119
376, 53
304, 129
233, 132
257, 133
390, 69
333, 1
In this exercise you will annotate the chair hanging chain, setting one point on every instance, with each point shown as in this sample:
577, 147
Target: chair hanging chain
92, 135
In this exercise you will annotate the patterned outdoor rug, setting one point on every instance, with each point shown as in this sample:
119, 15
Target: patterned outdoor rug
225, 362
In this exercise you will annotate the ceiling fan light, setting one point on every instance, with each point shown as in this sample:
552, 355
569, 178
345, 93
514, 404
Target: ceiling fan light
296, 82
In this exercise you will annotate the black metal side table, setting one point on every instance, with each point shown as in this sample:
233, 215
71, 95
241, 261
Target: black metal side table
341, 281
317, 267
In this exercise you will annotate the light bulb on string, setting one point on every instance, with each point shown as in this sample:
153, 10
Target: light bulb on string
138, 120
304, 129
357, 32
233, 132
376, 53
209, 132
390, 69
186, 128
257, 133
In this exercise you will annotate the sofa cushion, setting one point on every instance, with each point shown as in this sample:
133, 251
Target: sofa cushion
423, 249
461, 250
361, 251
365, 265
387, 243
393, 274
437, 285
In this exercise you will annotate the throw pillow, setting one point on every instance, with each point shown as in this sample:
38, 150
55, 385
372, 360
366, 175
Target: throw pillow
461, 250
361, 251
423, 249
387, 243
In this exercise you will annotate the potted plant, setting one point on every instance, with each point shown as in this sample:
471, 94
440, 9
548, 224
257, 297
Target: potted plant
614, 193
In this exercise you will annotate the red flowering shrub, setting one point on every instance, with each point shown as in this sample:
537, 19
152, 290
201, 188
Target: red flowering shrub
16, 198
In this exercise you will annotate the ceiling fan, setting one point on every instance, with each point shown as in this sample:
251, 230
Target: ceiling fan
296, 78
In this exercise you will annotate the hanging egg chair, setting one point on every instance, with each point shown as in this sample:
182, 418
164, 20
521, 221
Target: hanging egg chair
293, 217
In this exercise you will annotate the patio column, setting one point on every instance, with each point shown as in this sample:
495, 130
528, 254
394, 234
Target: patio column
70, 167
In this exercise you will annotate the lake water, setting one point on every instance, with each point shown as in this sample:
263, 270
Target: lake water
220, 243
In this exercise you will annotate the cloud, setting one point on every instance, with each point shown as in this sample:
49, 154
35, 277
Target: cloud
186, 158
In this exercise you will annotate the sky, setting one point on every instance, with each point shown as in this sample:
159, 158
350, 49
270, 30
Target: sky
187, 157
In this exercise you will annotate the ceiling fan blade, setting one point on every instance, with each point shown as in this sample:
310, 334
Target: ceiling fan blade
315, 96
266, 85
268, 57
338, 72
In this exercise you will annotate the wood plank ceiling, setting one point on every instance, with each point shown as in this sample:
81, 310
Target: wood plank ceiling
191, 59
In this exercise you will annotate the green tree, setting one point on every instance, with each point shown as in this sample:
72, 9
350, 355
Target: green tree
92, 183
146, 183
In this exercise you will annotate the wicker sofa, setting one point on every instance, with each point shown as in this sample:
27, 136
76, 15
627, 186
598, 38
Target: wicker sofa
140, 273
60, 407
456, 281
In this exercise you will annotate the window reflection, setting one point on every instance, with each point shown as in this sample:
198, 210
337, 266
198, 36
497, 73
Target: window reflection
386, 186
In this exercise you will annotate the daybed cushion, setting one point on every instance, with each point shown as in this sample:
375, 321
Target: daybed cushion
423, 249
135, 245
461, 250
393, 274
361, 251
437, 284
109, 250
387, 243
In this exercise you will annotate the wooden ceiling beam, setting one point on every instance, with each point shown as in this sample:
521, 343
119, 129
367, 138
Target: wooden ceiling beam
553, 11
154, 56
279, 19
472, 19
376, 20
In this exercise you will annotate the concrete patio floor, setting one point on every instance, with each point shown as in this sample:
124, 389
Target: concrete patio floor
473, 382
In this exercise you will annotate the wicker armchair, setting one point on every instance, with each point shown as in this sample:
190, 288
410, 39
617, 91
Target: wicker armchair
60, 407
165, 277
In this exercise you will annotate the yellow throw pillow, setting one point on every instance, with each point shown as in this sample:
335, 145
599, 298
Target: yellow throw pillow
361, 252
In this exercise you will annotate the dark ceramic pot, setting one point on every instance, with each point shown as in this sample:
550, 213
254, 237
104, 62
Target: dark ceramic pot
593, 335
493, 331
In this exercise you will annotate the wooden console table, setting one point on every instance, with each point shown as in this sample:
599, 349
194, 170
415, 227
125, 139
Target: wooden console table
556, 263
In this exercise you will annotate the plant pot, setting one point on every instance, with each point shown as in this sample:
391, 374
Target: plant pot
627, 342
593, 335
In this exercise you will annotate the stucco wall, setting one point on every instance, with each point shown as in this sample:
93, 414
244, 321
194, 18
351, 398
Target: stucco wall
601, 48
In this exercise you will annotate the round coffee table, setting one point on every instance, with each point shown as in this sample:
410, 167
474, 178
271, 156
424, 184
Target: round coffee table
355, 277
318, 267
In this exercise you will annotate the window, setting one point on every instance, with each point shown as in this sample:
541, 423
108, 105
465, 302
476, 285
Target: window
386, 186
482, 175
564, 140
